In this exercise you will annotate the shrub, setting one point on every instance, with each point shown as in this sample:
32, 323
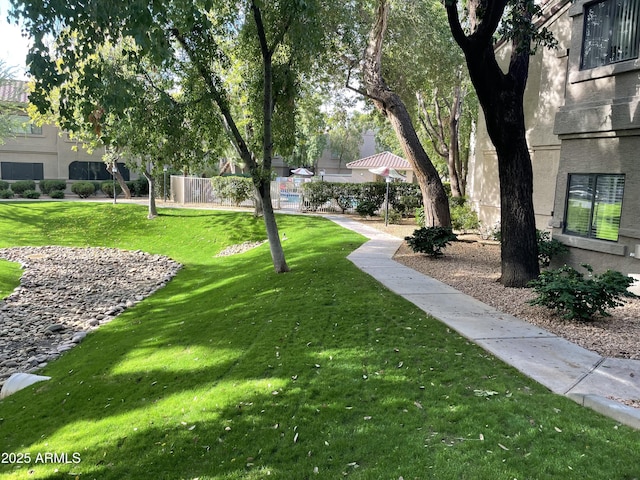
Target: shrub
575, 297
430, 240
138, 187
419, 215
31, 194
367, 208
235, 189
107, 188
344, 194
394, 216
4, 185
548, 247
370, 198
6, 194
97, 186
22, 186
316, 194
83, 189
405, 197
47, 186
56, 194
463, 217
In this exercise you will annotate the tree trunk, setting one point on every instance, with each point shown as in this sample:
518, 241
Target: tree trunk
501, 97
453, 159
153, 211
268, 215
120, 179
262, 174
436, 204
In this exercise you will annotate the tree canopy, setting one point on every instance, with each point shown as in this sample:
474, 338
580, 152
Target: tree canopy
238, 65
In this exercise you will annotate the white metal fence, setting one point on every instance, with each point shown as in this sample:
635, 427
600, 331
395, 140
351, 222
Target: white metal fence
286, 194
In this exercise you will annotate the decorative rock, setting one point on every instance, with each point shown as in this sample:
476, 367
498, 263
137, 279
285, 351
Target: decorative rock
65, 293
78, 337
54, 328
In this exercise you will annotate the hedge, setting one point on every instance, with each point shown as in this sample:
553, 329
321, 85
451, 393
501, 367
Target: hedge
47, 186
22, 186
83, 189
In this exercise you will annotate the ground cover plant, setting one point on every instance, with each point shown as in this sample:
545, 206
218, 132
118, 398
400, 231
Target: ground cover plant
235, 372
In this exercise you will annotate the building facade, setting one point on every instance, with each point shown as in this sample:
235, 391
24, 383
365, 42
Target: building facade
31, 152
583, 131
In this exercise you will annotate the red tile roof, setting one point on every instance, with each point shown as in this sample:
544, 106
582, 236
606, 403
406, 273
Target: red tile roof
14, 91
384, 159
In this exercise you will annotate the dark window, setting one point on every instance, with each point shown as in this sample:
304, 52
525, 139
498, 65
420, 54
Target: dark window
21, 171
594, 205
610, 32
94, 171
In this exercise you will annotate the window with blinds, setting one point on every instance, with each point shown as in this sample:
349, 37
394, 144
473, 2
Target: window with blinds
610, 32
594, 205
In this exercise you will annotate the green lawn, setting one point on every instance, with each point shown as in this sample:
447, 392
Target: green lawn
233, 371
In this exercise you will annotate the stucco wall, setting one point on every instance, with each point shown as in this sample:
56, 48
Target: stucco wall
544, 95
55, 152
599, 127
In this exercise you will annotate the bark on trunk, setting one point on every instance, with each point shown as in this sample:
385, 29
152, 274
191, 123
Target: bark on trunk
436, 204
501, 97
453, 159
262, 174
153, 211
121, 181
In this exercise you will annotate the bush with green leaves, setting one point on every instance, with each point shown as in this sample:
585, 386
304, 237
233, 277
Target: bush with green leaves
236, 189
138, 187
405, 197
22, 186
47, 186
83, 189
344, 194
463, 217
370, 198
316, 194
107, 188
4, 194
575, 297
548, 247
57, 194
431, 240
32, 194
4, 185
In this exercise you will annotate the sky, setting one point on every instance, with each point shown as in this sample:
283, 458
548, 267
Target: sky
13, 47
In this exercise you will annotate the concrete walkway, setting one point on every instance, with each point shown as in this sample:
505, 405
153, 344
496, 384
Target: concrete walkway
561, 366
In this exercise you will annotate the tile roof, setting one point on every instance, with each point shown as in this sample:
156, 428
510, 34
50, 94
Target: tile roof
384, 159
14, 91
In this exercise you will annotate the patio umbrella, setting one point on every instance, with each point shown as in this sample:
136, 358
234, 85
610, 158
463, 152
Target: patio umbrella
302, 171
388, 173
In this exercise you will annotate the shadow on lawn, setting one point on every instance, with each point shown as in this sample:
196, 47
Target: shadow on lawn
227, 373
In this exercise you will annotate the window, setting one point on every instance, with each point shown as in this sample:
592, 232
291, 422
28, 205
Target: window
21, 125
610, 32
94, 171
21, 171
594, 204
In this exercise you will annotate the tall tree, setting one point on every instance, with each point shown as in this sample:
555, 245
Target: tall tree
436, 89
501, 96
389, 103
202, 43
